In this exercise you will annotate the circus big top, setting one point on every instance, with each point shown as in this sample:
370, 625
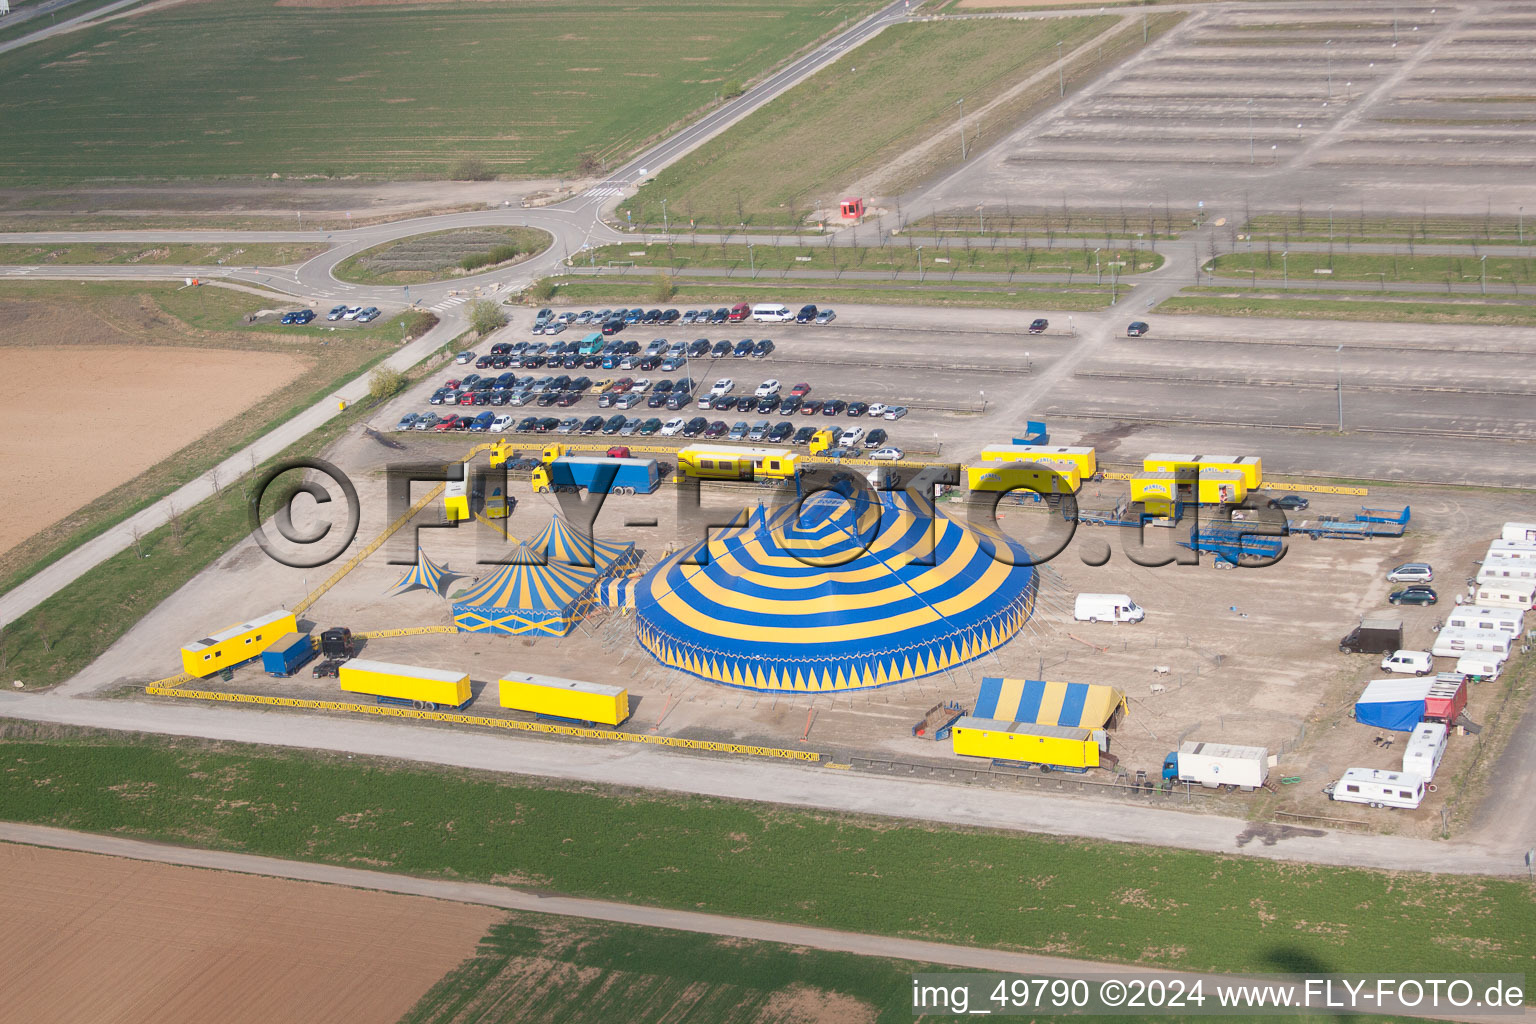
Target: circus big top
834, 595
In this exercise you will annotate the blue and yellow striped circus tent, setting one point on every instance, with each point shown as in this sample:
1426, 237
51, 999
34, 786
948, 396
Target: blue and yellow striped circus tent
551, 582
1074, 705
837, 595
426, 575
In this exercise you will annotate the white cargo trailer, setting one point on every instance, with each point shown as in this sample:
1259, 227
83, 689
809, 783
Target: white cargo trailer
1518, 531
1214, 765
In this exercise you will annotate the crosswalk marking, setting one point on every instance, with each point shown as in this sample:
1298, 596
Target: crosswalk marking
599, 191
449, 303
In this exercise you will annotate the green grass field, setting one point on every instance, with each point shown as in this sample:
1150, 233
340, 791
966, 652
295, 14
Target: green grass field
938, 260
245, 87
438, 255
1404, 308
576, 290
1319, 225
165, 315
268, 254
851, 118
1075, 898
1378, 267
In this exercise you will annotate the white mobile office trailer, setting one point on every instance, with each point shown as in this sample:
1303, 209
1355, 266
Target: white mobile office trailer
1506, 594
1453, 643
1519, 531
1425, 749
1107, 608
1377, 788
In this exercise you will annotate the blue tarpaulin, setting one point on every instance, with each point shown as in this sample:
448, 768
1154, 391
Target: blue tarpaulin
1395, 704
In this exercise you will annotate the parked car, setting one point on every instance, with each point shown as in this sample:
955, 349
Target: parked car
810, 407
833, 407
591, 425
720, 316
762, 348
851, 437
766, 388
781, 432
789, 406
739, 430
1137, 329
366, 316
723, 403
746, 403
615, 423
877, 410
483, 421
501, 423
428, 421
759, 430
1039, 325
857, 409
743, 348
1414, 595
719, 428
720, 349
826, 316
631, 425
352, 313
699, 348
887, 454
1412, 572
299, 316
337, 312
695, 426
649, 427
895, 412
1418, 663
1289, 502
806, 315
876, 438
408, 421
769, 404
448, 422
800, 390
723, 386
673, 426
464, 357
803, 435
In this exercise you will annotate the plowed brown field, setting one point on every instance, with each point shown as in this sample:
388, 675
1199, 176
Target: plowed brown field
92, 939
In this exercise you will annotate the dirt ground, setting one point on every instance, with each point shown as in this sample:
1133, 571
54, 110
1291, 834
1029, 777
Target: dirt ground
132, 391
92, 938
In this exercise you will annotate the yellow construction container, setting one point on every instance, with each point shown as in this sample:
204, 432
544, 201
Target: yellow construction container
1085, 459
237, 644
737, 463
406, 682
1159, 491
456, 501
564, 698
1043, 476
1249, 467
1026, 743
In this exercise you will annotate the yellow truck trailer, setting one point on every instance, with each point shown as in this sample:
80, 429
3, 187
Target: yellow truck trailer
1043, 476
1049, 746
1249, 467
564, 698
1085, 459
737, 463
1160, 491
428, 688
237, 644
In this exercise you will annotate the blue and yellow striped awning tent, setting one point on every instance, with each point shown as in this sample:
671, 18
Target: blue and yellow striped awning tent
550, 584
425, 575
1071, 705
841, 596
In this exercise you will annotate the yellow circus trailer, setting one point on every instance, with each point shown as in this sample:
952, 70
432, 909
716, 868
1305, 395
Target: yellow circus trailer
456, 501
564, 698
1159, 491
1249, 467
237, 644
1049, 746
1044, 477
737, 463
407, 685
1085, 459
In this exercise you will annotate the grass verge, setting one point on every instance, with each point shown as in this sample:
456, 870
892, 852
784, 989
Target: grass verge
1348, 226
442, 254
935, 259
163, 315
233, 88
1330, 306
852, 118
1379, 267
581, 290
275, 254
1091, 899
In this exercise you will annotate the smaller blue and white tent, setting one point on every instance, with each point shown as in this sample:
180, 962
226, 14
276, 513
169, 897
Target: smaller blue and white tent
426, 575
1394, 704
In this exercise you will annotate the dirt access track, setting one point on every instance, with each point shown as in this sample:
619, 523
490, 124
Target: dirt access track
91, 938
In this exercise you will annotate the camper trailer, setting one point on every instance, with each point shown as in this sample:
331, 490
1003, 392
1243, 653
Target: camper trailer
1478, 667
1506, 594
1519, 531
1494, 619
1378, 788
1495, 569
1512, 549
1425, 749
1107, 608
1453, 643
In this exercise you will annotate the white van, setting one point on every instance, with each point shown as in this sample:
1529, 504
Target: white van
1506, 594
1416, 663
1426, 746
1378, 788
1495, 569
1453, 643
1476, 616
772, 313
1108, 608
1479, 666
1518, 531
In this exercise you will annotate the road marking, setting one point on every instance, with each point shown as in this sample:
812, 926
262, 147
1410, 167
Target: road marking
447, 304
600, 191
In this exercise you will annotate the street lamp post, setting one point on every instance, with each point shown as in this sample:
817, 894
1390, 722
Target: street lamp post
981, 220
1250, 131
1097, 269
752, 261
1339, 352
919, 264
1285, 274
961, 104
1522, 225
1329, 52
1483, 285
1061, 74
983, 403
665, 226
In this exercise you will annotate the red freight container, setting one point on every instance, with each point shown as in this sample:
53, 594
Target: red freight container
1447, 698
